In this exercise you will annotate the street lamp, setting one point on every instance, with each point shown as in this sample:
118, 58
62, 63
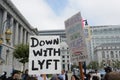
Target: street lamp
1, 40
8, 35
86, 23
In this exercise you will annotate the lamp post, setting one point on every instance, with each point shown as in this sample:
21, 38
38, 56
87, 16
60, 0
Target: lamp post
86, 23
8, 35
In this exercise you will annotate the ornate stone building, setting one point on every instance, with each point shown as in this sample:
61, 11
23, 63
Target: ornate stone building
14, 29
107, 54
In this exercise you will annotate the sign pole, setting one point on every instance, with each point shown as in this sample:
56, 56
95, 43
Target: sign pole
81, 71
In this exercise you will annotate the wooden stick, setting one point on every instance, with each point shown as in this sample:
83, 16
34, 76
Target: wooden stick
81, 71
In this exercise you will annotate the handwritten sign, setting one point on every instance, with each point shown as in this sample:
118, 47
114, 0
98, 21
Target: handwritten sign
44, 55
75, 38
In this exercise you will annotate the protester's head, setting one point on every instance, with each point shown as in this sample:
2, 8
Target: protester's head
4, 73
31, 78
63, 71
108, 69
88, 75
96, 70
74, 77
26, 71
95, 78
16, 74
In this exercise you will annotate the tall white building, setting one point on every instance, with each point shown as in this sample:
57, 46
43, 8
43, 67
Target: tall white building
12, 20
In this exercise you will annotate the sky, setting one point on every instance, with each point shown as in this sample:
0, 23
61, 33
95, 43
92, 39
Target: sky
51, 14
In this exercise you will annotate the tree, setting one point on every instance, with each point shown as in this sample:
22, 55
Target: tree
102, 64
21, 53
116, 64
93, 65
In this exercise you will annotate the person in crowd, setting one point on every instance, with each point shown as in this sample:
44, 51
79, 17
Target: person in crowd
42, 77
15, 75
54, 77
96, 74
3, 76
31, 78
88, 76
25, 75
107, 70
63, 75
95, 78
74, 77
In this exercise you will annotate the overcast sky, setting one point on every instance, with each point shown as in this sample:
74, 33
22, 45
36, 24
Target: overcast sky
51, 14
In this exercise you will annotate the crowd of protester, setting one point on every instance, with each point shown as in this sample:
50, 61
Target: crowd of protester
93, 75
17, 75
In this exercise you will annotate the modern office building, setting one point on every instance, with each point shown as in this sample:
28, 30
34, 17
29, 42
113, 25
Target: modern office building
14, 29
65, 55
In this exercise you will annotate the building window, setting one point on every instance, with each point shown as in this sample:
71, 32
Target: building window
67, 56
67, 52
68, 66
1, 18
68, 61
107, 56
63, 61
116, 56
103, 54
119, 53
63, 56
112, 55
63, 66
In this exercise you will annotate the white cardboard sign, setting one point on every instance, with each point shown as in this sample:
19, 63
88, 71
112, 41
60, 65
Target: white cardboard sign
44, 55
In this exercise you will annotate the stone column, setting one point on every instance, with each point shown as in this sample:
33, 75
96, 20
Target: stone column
25, 33
21, 34
4, 25
11, 28
28, 37
16, 34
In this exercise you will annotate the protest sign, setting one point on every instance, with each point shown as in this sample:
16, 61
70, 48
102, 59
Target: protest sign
75, 38
44, 55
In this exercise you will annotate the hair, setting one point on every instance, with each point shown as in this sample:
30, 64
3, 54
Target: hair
31, 78
76, 78
15, 72
95, 78
108, 69
26, 71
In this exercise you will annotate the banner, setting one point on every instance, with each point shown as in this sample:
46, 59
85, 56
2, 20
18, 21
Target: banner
44, 55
